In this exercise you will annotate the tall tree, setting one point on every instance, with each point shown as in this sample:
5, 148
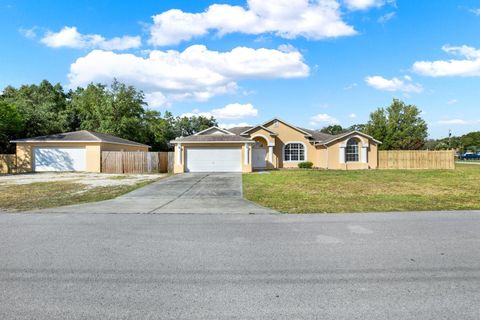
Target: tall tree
11, 126
185, 126
333, 129
398, 126
42, 107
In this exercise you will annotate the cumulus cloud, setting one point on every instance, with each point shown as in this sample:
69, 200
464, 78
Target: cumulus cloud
69, 37
229, 112
322, 119
352, 115
365, 4
404, 85
193, 74
468, 66
288, 19
232, 125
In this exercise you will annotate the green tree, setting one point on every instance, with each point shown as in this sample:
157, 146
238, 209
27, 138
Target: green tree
398, 126
185, 126
117, 110
11, 126
333, 129
42, 107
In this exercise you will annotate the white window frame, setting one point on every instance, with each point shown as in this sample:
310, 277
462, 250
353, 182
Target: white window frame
305, 154
358, 150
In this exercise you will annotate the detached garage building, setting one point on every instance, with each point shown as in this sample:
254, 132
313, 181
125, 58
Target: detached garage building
70, 151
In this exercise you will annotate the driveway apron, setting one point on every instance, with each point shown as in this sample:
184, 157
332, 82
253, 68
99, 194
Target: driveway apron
203, 193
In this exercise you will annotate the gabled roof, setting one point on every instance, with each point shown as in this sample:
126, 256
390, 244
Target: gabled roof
80, 136
261, 127
204, 132
288, 124
238, 130
345, 134
218, 138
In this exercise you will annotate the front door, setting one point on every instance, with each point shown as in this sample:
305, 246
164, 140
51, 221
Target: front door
258, 156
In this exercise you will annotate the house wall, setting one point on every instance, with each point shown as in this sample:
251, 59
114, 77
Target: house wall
288, 134
334, 156
180, 168
264, 137
93, 153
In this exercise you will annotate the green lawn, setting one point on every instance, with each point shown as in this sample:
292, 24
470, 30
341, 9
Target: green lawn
312, 191
41, 195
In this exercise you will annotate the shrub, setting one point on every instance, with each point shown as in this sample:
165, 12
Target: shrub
305, 165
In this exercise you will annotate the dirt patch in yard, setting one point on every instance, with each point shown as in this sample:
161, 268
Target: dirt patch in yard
47, 190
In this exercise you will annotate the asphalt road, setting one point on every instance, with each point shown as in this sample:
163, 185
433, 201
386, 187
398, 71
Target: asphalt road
127, 266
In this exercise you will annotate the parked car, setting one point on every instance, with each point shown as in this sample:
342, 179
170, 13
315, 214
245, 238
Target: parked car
470, 156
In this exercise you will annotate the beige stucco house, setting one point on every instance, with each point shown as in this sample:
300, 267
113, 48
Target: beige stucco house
273, 144
70, 151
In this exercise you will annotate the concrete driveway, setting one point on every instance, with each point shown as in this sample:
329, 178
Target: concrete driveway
206, 193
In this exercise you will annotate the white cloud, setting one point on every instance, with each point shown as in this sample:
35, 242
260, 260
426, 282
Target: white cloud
289, 19
69, 37
235, 111
364, 4
469, 66
394, 84
29, 33
352, 115
386, 17
229, 112
452, 101
232, 125
322, 118
156, 100
194, 74
475, 11
453, 121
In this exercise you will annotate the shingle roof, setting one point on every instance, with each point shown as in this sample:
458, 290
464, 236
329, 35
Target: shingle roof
81, 136
212, 138
238, 130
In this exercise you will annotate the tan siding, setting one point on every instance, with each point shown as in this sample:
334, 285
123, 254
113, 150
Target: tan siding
288, 134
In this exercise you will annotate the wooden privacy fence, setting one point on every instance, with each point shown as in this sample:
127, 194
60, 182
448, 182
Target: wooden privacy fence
416, 159
134, 162
8, 163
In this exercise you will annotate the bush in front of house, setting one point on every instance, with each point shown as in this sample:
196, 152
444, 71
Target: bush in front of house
305, 165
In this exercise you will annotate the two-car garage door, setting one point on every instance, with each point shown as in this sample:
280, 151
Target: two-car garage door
59, 159
213, 159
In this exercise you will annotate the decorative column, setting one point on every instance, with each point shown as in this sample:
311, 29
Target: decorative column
179, 153
270, 153
341, 155
245, 156
364, 154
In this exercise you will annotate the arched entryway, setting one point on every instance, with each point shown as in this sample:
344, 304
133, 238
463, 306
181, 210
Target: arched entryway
259, 153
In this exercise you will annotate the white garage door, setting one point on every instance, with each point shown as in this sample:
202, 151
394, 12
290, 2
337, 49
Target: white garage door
214, 159
59, 159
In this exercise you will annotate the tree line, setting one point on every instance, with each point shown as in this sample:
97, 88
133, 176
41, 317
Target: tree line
400, 127
118, 109
121, 110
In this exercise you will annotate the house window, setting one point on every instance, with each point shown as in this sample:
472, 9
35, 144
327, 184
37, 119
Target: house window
351, 151
294, 152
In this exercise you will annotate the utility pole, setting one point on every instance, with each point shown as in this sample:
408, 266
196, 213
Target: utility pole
449, 138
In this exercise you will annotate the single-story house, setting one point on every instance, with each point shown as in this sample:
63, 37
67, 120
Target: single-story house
70, 151
273, 144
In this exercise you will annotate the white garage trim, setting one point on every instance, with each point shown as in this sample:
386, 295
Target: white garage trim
213, 159
58, 159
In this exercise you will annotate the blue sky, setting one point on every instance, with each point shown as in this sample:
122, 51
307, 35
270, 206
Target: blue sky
312, 63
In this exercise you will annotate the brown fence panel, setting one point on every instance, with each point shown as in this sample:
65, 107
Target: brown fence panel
416, 159
135, 162
171, 161
8, 163
163, 159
